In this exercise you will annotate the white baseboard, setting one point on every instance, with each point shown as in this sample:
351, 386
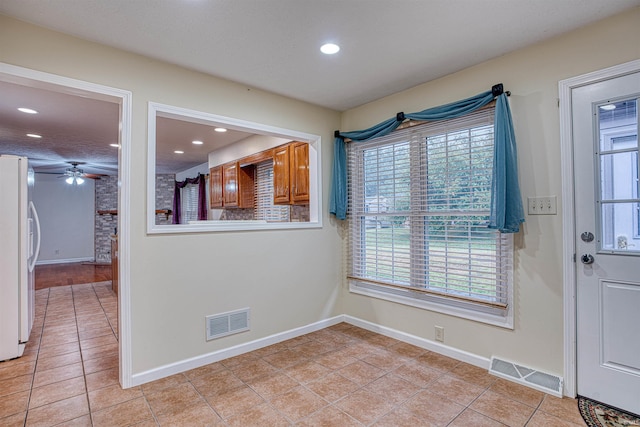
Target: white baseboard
454, 353
64, 261
216, 356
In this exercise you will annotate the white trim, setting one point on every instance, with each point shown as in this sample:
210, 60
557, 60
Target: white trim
205, 359
124, 243
454, 353
12, 73
565, 88
315, 170
446, 306
65, 261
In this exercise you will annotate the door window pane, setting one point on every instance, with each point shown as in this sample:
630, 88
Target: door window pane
618, 176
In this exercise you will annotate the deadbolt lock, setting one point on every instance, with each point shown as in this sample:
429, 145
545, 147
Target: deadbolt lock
587, 236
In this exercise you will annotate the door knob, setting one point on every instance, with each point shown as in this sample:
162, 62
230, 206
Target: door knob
587, 236
587, 259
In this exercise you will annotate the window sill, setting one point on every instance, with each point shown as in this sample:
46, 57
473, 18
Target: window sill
220, 226
495, 317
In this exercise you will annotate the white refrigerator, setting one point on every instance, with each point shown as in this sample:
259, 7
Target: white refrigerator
19, 248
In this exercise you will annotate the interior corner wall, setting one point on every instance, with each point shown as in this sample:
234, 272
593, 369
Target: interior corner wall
66, 219
178, 279
532, 76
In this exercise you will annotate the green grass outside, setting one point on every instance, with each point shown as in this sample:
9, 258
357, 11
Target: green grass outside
454, 265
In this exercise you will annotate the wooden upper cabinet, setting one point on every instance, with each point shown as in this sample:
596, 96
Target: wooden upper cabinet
230, 185
215, 187
291, 174
246, 186
238, 185
299, 152
281, 175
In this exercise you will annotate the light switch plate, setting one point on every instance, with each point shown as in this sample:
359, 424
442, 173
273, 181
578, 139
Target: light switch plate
546, 205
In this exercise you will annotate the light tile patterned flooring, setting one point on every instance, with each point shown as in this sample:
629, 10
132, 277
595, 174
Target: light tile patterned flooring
340, 376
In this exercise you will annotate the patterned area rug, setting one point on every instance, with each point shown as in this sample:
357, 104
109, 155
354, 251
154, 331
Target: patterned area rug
596, 414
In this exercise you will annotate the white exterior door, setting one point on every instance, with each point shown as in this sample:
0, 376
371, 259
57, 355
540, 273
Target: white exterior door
607, 220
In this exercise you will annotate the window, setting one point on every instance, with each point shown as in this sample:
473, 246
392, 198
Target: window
189, 203
618, 176
418, 211
265, 209
160, 150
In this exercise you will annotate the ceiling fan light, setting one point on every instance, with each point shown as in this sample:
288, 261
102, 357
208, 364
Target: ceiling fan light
79, 180
69, 180
329, 48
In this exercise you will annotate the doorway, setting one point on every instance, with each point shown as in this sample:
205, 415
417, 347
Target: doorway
39, 80
599, 124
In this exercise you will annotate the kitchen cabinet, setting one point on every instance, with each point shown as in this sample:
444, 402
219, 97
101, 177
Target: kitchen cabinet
238, 185
299, 168
281, 175
291, 174
215, 187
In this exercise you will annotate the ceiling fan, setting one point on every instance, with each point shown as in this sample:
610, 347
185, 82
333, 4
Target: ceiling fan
75, 175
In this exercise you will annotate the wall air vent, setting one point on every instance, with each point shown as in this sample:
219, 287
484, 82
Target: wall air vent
223, 324
542, 381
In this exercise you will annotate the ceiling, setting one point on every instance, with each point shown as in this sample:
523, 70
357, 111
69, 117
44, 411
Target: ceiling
386, 46
78, 128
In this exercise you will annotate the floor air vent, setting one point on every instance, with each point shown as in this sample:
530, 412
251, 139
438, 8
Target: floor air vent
542, 381
232, 322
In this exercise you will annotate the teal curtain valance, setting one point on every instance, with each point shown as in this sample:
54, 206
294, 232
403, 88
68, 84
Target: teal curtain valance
506, 202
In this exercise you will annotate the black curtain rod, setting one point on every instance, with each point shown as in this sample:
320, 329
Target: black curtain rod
496, 90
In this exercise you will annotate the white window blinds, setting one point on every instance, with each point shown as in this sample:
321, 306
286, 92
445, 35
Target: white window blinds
265, 209
189, 203
419, 209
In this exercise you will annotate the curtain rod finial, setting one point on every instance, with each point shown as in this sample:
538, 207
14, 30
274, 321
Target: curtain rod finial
497, 90
336, 133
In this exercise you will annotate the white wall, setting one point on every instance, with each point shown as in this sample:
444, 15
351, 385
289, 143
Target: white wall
66, 215
193, 172
532, 76
251, 145
293, 278
289, 278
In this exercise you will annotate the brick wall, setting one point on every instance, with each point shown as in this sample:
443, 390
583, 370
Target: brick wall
105, 225
107, 199
165, 184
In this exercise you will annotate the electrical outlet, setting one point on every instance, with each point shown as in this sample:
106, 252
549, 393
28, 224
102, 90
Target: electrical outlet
440, 333
542, 205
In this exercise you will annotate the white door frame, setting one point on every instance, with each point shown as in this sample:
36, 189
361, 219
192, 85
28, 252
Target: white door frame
568, 212
124, 204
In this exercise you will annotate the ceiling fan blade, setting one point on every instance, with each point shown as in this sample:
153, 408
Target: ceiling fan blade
93, 175
44, 168
104, 167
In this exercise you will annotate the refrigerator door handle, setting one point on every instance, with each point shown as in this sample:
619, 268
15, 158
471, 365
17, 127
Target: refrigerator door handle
34, 259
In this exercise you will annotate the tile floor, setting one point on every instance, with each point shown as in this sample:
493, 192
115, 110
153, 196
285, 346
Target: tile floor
340, 376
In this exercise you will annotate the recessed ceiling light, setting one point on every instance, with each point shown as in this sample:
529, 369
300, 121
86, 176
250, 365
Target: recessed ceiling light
179, 152
220, 129
27, 110
197, 142
608, 107
114, 145
34, 135
329, 48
